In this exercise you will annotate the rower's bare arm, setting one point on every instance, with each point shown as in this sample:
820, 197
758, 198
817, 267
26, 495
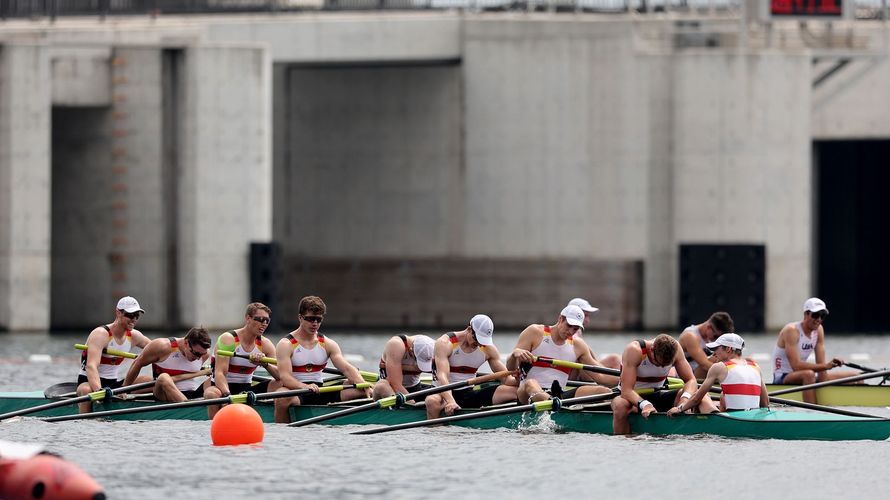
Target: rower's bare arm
268, 350
764, 394
283, 352
522, 352
222, 363
630, 360
493, 356
443, 367
692, 347
96, 342
392, 359
139, 339
339, 361
150, 354
684, 371
790, 338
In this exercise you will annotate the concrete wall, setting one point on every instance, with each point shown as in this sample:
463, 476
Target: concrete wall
224, 191
109, 214
741, 164
24, 186
854, 103
374, 162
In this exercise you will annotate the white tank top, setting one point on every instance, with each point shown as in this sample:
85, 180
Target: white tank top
650, 374
177, 364
108, 365
741, 387
307, 364
410, 371
704, 345
546, 373
463, 365
806, 344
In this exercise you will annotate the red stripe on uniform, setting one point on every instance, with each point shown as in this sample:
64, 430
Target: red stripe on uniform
741, 389
462, 369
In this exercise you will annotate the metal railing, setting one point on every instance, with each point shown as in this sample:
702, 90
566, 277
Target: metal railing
58, 8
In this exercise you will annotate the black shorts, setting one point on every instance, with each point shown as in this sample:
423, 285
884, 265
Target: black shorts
106, 382
257, 388
415, 388
194, 393
470, 398
321, 398
662, 399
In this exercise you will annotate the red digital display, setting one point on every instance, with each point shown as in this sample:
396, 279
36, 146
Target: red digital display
832, 8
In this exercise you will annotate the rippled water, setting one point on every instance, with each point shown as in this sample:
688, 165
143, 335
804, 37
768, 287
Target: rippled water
174, 459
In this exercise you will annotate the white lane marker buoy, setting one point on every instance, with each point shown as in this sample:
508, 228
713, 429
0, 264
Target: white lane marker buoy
40, 358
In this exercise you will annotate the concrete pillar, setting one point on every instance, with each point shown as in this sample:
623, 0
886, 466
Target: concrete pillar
225, 182
24, 187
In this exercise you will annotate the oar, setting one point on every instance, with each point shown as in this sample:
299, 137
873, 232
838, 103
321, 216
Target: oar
591, 368
99, 395
243, 398
547, 405
110, 352
860, 367
368, 376
837, 381
397, 399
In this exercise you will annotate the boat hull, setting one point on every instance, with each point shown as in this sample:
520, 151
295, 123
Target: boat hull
763, 423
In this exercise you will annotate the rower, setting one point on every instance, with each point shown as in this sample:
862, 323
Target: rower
174, 356
303, 354
796, 342
234, 374
610, 360
741, 382
99, 370
645, 364
404, 358
695, 338
458, 355
556, 342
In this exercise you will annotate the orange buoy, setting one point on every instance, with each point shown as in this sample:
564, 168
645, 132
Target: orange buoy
46, 476
236, 424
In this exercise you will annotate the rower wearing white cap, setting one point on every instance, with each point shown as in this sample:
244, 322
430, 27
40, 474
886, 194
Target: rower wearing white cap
646, 364
555, 342
97, 369
404, 358
458, 355
741, 382
796, 342
609, 361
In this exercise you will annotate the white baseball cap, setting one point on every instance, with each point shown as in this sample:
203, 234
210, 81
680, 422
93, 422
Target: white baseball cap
424, 349
129, 304
574, 315
728, 340
583, 304
483, 327
814, 304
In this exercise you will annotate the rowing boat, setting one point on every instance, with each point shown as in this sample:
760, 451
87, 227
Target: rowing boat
762, 423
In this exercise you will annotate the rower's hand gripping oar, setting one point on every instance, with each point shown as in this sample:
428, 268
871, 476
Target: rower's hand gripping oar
368, 376
398, 399
101, 394
244, 398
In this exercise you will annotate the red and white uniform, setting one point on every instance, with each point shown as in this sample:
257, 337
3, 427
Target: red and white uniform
544, 372
241, 369
648, 373
806, 344
307, 364
463, 365
108, 365
177, 364
741, 387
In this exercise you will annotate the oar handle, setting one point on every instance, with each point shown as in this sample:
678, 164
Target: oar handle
110, 352
368, 376
578, 366
860, 367
265, 359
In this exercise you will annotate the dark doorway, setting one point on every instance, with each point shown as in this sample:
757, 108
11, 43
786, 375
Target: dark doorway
851, 239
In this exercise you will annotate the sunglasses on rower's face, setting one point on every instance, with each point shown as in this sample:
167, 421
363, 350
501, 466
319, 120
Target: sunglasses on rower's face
818, 315
313, 319
132, 315
196, 353
261, 319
